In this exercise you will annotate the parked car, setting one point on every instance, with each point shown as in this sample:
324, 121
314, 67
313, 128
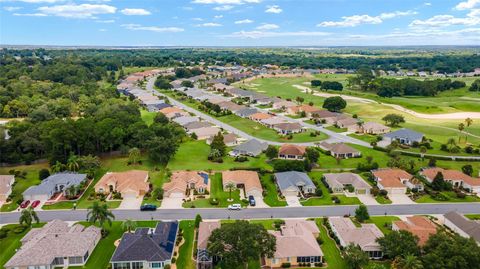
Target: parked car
24, 204
148, 207
235, 207
35, 203
251, 200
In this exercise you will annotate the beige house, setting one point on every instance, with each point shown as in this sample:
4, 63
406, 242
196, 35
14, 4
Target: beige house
420, 226
133, 183
292, 152
283, 104
296, 243
457, 178
182, 182
248, 180
369, 128
340, 150
339, 181
55, 245
6, 183
206, 132
395, 181
230, 140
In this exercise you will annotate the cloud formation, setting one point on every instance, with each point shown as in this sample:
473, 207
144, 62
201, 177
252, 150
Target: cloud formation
135, 12
356, 20
77, 11
274, 9
246, 21
138, 27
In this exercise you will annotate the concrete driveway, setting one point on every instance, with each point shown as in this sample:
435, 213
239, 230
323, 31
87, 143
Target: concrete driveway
367, 199
172, 202
293, 201
259, 203
131, 202
400, 199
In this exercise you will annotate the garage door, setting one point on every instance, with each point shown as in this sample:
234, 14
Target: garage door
176, 195
36, 197
396, 190
361, 191
131, 195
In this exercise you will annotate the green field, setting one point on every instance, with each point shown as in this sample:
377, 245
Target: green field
271, 197
452, 198
185, 253
384, 223
147, 116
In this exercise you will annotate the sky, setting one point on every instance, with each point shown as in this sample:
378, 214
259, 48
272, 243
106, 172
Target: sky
239, 22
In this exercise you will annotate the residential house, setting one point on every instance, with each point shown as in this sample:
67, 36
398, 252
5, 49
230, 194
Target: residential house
287, 128
146, 248
293, 183
252, 147
230, 140
324, 115
291, 152
283, 105
206, 132
182, 182
259, 116
309, 110
364, 236
243, 179
347, 122
56, 183
221, 87
336, 118
463, 226
270, 122
55, 245
230, 106
419, 226
246, 112
457, 178
338, 182
130, 184
395, 181
205, 229
173, 112
296, 243
340, 150
404, 136
184, 120
216, 99
6, 184
196, 125
370, 127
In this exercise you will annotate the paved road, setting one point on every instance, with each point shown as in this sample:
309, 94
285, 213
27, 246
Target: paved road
254, 213
334, 137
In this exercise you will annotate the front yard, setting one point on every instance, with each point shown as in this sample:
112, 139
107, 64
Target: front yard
450, 196
270, 191
11, 242
326, 198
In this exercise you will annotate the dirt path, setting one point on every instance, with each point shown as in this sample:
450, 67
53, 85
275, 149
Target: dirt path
446, 116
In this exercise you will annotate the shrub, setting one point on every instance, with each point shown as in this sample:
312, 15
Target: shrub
319, 240
174, 260
19, 229
3, 233
286, 265
213, 201
461, 195
318, 192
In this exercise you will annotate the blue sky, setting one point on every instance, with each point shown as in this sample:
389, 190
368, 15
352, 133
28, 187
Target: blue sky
240, 22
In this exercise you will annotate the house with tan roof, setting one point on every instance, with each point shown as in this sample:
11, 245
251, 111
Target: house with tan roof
283, 105
338, 182
456, 178
205, 229
133, 183
173, 112
323, 115
395, 181
270, 122
419, 226
340, 150
364, 236
309, 110
183, 182
259, 116
230, 140
6, 184
55, 245
370, 127
243, 179
206, 132
296, 244
286, 128
292, 152
230, 106
346, 122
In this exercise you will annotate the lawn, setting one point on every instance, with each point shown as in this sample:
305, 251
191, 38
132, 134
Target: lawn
336, 129
185, 254
12, 242
331, 253
147, 116
198, 150
473, 216
384, 223
270, 187
383, 200
452, 198
21, 184
326, 198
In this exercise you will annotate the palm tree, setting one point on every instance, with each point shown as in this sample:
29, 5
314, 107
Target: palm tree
468, 122
423, 150
27, 216
72, 163
360, 126
230, 186
57, 167
451, 142
100, 213
72, 191
129, 225
409, 262
461, 127
134, 155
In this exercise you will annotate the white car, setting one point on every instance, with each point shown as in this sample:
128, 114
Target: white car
234, 207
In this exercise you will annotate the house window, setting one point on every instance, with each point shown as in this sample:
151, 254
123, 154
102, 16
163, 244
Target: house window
121, 265
156, 265
75, 260
58, 261
137, 265
85, 257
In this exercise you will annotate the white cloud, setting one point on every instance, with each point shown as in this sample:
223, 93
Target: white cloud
273, 9
218, 16
266, 34
469, 4
138, 27
77, 11
10, 9
105, 21
267, 26
35, 1
473, 18
243, 21
223, 8
30, 14
135, 12
427, 4
226, 2
102, 30
209, 24
355, 20
197, 19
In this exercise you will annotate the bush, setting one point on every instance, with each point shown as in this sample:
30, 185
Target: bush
19, 229
174, 260
43, 174
286, 265
318, 192
241, 159
3, 233
461, 195
213, 201
319, 240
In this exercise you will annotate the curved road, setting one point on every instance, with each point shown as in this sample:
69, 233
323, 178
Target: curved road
334, 137
254, 213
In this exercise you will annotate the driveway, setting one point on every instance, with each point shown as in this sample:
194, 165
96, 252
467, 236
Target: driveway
293, 201
172, 202
400, 199
131, 202
367, 199
259, 203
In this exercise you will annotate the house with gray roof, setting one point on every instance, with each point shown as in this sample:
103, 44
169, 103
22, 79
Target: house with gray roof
404, 136
246, 112
186, 120
293, 183
339, 181
252, 147
196, 125
463, 226
53, 184
147, 248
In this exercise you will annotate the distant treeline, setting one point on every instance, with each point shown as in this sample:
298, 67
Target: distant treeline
385, 87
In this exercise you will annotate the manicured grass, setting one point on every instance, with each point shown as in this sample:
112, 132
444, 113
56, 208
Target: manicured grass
270, 187
384, 223
268, 224
192, 155
326, 198
336, 129
383, 200
185, 253
21, 184
12, 242
104, 250
331, 253
452, 198
147, 116
473, 216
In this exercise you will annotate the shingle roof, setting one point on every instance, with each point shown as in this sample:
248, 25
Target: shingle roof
197, 125
364, 236
252, 146
405, 133
48, 185
339, 148
455, 175
289, 149
148, 245
289, 179
249, 179
296, 238
342, 179
133, 180
391, 177
288, 126
204, 231
470, 227
420, 226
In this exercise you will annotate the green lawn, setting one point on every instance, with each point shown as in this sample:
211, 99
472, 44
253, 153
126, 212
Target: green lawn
336, 129
270, 187
21, 184
331, 253
383, 222
12, 242
326, 198
452, 198
185, 254
147, 116
473, 216
383, 200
